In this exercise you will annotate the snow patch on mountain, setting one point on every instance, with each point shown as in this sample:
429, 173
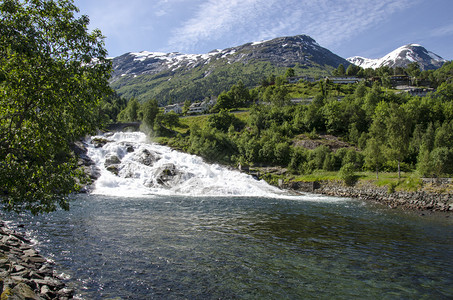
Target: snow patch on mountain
401, 57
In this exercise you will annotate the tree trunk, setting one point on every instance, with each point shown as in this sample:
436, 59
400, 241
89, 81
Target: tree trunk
399, 170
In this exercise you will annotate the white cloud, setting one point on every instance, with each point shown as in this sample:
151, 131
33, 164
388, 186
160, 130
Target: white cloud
327, 21
446, 30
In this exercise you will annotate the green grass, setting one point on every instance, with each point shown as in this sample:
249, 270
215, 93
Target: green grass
407, 182
318, 175
189, 121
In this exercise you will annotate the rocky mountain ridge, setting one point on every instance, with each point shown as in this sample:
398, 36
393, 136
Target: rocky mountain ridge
402, 57
282, 52
176, 77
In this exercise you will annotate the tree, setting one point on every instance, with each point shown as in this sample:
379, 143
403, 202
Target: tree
239, 94
223, 102
398, 135
290, 73
186, 107
53, 76
131, 113
373, 155
413, 69
340, 71
347, 174
352, 70
150, 111
168, 120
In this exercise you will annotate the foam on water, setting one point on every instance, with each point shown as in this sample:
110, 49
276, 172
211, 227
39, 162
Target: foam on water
191, 176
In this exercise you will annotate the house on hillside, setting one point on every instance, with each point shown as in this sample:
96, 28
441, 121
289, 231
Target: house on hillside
296, 79
397, 80
415, 91
198, 108
202, 107
177, 108
344, 80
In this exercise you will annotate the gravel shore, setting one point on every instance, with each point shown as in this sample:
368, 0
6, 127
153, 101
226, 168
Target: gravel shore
24, 273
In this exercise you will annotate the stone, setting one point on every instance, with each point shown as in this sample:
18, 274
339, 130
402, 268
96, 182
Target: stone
23, 291
30, 253
113, 169
166, 173
99, 142
35, 260
49, 281
66, 292
112, 160
46, 291
147, 158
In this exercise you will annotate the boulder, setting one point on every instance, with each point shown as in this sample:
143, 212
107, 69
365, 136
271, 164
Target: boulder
99, 142
167, 174
112, 164
113, 169
23, 291
147, 158
112, 160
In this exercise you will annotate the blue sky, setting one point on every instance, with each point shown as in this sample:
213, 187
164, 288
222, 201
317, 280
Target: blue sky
347, 27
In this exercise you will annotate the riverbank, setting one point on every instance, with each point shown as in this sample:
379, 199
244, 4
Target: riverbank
24, 273
426, 199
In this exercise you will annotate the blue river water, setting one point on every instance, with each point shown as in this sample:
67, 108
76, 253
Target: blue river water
212, 247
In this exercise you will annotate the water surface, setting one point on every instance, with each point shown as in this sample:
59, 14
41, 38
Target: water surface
173, 247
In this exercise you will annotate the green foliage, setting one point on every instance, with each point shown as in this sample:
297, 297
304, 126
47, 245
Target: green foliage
111, 106
347, 174
54, 74
131, 112
168, 120
223, 120
392, 132
150, 111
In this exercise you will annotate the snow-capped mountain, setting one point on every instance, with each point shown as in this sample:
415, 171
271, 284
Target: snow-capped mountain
177, 76
285, 51
401, 57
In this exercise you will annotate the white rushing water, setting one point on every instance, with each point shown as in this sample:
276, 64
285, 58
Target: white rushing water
130, 165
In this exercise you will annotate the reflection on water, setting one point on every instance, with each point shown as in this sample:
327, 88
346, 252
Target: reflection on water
220, 247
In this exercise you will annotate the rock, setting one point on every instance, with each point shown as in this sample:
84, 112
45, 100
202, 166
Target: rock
50, 282
66, 292
129, 148
113, 169
147, 158
30, 253
167, 173
112, 164
24, 273
46, 291
35, 260
23, 291
99, 142
112, 160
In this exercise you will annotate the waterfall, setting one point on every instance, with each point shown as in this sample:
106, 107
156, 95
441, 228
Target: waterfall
130, 165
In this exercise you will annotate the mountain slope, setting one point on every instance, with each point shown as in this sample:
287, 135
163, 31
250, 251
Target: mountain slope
178, 77
402, 57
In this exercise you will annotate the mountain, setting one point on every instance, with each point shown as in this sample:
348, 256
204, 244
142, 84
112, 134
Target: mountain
402, 57
175, 77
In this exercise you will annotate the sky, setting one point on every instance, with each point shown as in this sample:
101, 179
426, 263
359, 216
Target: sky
346, 27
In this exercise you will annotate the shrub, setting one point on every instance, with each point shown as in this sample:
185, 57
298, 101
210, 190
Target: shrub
347, 174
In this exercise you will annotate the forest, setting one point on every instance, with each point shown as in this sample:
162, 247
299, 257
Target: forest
376, 128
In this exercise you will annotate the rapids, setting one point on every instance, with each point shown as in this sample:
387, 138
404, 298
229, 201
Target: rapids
131, 166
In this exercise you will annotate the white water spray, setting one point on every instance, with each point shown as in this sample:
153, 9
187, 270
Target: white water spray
131, 166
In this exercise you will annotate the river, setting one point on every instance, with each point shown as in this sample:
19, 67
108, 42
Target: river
218, 234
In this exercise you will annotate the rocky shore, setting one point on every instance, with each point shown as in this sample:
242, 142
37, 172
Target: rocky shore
423, 200
24, 273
